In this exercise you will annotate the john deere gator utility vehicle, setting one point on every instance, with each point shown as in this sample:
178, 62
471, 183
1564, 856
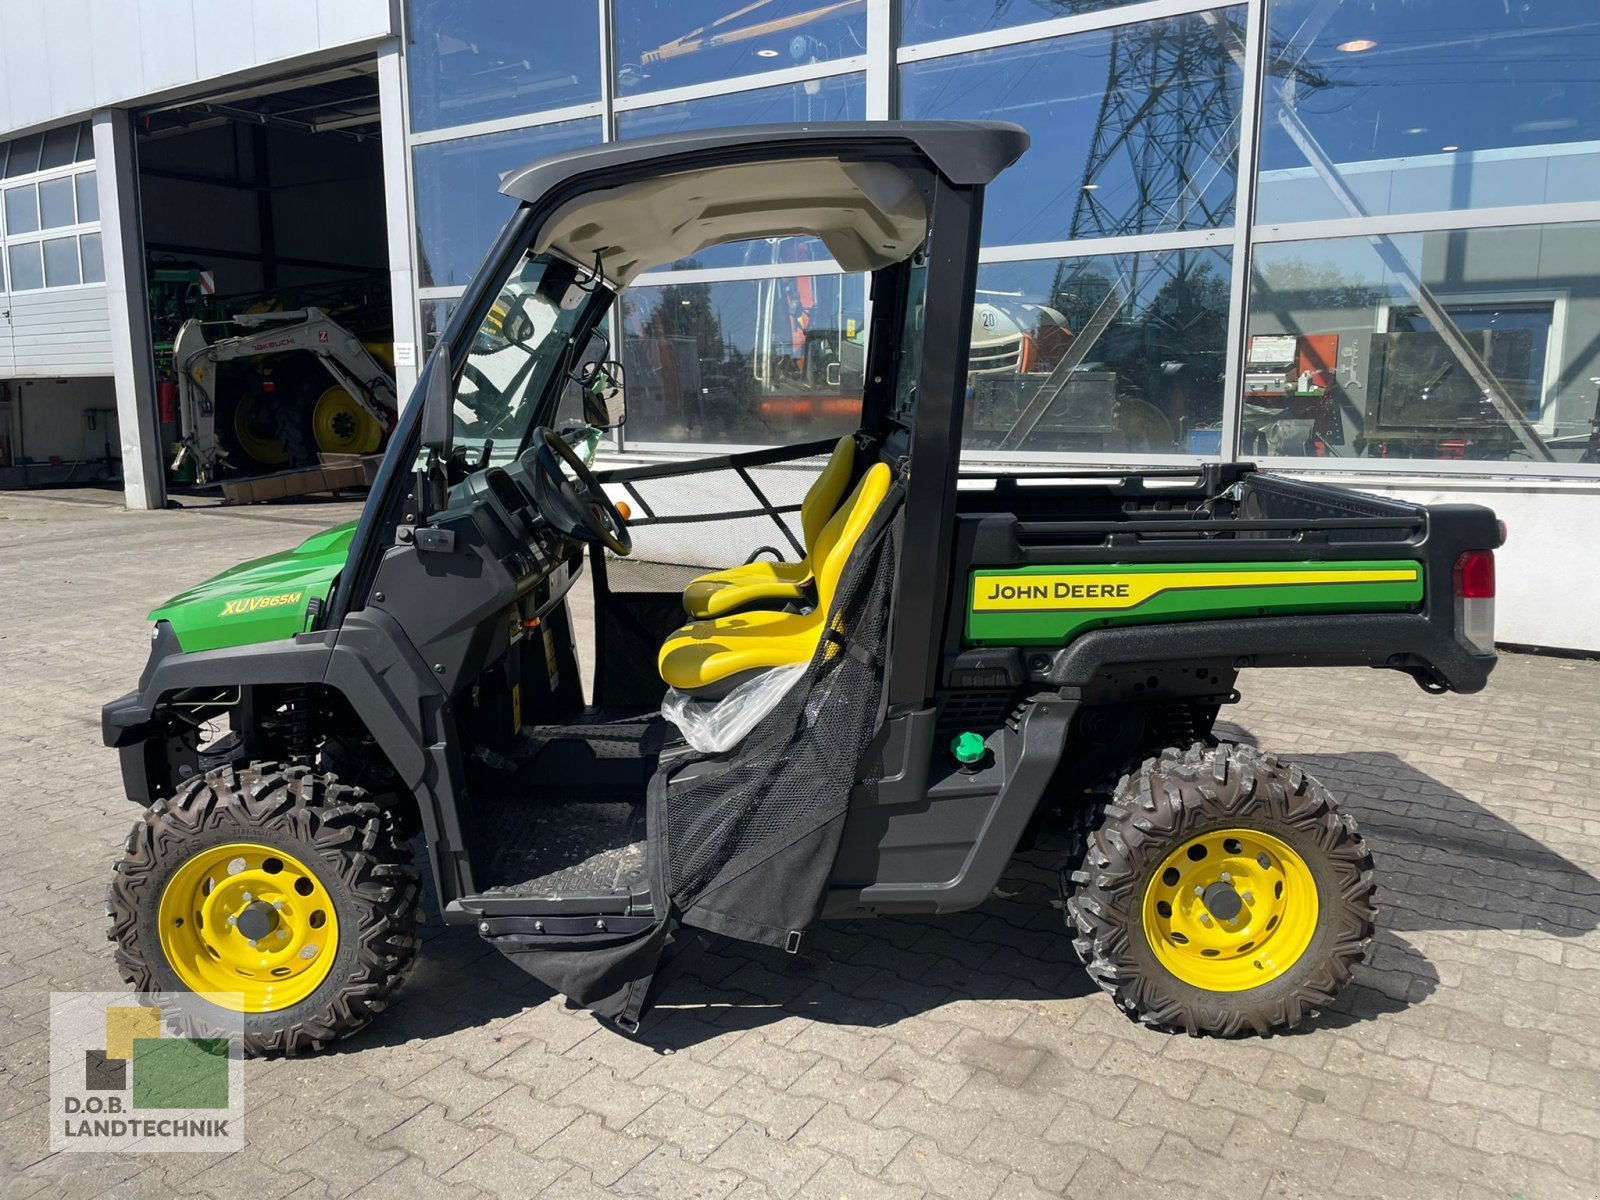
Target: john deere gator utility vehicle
946, 653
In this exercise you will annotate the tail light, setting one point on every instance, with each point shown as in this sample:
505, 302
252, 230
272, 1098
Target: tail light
1474, 577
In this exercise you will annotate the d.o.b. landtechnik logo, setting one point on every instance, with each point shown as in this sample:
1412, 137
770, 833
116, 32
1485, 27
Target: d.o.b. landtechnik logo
123, 1079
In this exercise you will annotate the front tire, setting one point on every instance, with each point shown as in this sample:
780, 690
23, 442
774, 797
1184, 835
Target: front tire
1222, 893
275, 884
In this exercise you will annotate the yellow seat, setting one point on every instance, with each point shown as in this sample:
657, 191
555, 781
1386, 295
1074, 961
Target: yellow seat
775, 584
703, 656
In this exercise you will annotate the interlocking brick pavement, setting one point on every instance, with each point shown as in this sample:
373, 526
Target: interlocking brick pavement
966, 1057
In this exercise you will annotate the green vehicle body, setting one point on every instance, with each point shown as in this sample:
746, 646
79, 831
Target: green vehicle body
263, 600
270, 598
1049, 605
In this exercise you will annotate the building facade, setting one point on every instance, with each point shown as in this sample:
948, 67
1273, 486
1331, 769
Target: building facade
1353, 239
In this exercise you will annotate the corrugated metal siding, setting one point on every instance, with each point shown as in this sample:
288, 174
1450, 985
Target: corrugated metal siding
56, 332
65, 58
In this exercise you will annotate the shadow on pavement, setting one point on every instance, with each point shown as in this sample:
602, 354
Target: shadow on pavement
1444, 862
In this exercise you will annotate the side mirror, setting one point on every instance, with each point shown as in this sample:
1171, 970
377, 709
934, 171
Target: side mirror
604, 400
438, 404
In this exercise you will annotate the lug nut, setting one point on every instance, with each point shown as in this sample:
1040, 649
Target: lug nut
283, 935
248, 897
1249, 897
252, 942
277, 904
1205, 918
1226, 878
1198, 890
233, 920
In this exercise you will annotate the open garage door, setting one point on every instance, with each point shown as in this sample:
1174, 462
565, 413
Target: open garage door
267, 270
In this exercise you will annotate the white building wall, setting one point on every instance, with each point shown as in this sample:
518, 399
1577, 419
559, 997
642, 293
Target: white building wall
1547, 574
62, 59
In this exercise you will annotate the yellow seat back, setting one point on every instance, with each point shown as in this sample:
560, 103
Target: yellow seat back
823, 496
840, 535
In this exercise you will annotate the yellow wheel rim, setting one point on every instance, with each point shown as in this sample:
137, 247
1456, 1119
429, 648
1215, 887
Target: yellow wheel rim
341, 426
257, 435
1230, 910
249, 919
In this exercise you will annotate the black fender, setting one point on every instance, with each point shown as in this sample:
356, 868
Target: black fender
369, 661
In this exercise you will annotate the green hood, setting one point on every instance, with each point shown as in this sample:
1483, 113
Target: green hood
261, 600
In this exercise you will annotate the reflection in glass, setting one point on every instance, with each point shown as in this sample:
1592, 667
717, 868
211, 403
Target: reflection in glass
838, 98
1108, 354
669, 43
1431, 105
22, 209
27, 270
94, 263
61, 262
473, 61
751, 362
435, 316
459, 205
931, 20
55, 202
524, 340
88, 196
1135, 129
1476, 344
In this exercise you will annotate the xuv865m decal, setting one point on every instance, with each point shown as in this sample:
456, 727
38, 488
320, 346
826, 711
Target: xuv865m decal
1047, 604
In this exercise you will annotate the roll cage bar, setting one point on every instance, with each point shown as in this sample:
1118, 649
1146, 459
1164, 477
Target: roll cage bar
948, 162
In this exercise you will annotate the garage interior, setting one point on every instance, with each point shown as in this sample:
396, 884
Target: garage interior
262, 200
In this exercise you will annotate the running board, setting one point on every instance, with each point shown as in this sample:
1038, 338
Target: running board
469, 910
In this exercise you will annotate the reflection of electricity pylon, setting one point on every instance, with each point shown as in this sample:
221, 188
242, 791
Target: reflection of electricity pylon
1168, 112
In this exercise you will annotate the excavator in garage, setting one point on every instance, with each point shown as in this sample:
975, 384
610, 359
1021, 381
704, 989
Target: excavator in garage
281, 418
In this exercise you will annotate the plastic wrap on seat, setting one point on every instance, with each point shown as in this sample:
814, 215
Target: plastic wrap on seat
717, 726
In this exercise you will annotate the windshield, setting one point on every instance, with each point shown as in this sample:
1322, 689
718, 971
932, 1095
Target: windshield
525, 341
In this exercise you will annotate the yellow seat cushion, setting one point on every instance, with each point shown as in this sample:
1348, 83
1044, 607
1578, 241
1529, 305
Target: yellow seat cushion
705, 652
701, 655
753, 585
771, 583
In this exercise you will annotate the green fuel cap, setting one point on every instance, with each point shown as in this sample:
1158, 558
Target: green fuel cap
968, 748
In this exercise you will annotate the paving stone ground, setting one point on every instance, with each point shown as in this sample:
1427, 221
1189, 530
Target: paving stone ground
966, 1057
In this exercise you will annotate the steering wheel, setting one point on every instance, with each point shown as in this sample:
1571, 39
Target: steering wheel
577, 507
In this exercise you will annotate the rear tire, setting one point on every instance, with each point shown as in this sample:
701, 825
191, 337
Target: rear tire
1150, 897
327, 832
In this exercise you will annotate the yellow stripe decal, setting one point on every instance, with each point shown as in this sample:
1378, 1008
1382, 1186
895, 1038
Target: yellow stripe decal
1120, 590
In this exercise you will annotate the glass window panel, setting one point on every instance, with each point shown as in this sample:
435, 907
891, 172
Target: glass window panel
59, 147
24, 156
88, 196
55, 203
61, 262
474, 61
85, 143
435, 316
1112, 354
1429, 106
669, 43
752, 362
931, 20
1134, 130
22, 209
94, 265
1478, 344
459, 205
27, 269
840, 98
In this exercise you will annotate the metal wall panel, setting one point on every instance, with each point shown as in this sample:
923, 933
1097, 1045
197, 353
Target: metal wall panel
59, 332
61, 59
